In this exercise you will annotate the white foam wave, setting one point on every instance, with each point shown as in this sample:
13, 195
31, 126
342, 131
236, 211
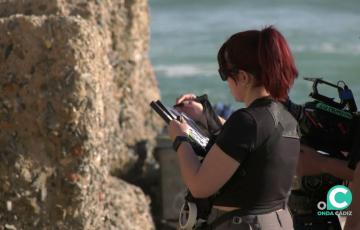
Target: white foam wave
328, 48
185, 70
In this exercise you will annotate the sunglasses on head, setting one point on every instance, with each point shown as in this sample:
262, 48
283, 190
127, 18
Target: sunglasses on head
225, 73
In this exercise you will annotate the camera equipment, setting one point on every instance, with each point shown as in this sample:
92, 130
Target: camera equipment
327, 125
331, 127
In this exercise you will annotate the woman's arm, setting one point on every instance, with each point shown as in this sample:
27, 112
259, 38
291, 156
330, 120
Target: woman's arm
353, 222
338, 168
206, 178
312, 163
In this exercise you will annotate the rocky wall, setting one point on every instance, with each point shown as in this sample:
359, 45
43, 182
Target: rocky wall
75, 83
124, 28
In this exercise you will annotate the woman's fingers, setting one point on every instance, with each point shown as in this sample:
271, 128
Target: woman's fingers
177, 128
193, 109
185, 97
188, 108
186, 104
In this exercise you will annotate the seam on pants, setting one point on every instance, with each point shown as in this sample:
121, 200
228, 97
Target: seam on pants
279, 219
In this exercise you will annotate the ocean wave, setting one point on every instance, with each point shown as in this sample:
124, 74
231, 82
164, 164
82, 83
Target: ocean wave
185, 70
328, 48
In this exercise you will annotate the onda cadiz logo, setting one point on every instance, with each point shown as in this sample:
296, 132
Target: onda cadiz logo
339, 198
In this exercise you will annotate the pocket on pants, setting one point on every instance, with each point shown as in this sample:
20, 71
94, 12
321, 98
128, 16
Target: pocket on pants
278, 220
285, 219
269, 221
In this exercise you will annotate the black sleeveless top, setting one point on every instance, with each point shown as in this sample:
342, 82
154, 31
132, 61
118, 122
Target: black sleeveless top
263, 138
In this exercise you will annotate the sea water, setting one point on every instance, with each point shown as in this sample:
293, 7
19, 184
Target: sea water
324, 36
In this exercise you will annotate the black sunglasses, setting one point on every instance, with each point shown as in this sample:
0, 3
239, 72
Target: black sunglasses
225, 73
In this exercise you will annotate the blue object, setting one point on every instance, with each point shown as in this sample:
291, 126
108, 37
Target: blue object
223, 110
346, 94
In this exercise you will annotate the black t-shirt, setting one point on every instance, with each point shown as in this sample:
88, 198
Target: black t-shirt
263, 139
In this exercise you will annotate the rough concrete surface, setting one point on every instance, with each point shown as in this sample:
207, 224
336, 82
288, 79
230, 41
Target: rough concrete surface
75, 83
124, 27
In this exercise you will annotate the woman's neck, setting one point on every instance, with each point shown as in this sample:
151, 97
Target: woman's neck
255, 93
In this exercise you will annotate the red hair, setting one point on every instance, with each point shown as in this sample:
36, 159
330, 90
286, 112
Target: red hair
266, 55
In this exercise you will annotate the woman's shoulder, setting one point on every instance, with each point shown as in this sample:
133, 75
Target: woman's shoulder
241, 116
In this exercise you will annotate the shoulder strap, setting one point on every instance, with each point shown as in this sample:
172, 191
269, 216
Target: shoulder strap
213, 122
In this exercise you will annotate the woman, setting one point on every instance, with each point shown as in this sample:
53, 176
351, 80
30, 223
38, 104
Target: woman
252, 163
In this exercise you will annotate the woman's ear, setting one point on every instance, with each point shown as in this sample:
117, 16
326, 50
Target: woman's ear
246, 78
241, 78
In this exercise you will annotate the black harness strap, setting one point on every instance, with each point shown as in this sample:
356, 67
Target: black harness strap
235, 213
223, 218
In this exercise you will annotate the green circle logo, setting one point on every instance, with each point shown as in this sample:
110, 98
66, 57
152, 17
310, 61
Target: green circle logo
339, 197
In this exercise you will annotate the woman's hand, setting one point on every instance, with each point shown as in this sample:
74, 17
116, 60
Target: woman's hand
177, 128
190, 107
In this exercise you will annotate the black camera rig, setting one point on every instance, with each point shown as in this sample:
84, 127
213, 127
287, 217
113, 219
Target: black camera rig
330, 126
